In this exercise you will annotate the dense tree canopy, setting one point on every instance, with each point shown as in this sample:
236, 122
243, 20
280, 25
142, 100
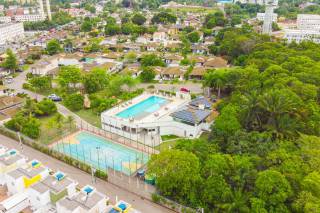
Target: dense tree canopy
262, 154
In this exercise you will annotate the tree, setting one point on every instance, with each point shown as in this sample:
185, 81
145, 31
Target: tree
57, 122
47, 107
168, 168
74, 102
53, 47
216, 79
151, 60
95, 80
70, 121
138, 19
42, 83
86, 26
163, 18
273, 188
112, 30
193, 37
131, 57
147, 75
227, 123
31, 128
11, 62
69, 76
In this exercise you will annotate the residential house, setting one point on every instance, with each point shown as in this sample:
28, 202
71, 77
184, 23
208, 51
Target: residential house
197, 60
132, 69
216, 62
45, 65
22, 178
199, 49
170, 73
172, 59
197, 73
161, 37
87, 200
10, 161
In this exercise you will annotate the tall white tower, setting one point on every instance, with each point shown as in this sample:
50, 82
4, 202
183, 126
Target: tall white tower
268, 16
45, 9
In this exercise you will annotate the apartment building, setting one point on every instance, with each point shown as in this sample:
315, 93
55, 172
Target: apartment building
308, 22
11, 32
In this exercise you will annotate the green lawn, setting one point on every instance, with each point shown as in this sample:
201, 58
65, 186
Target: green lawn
168, 137
165, 145
50, 134
90, 116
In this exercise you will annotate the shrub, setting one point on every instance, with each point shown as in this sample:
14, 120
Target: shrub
47, 107
74, 102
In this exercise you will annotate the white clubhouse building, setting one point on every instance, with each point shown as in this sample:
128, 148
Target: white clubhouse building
152, 115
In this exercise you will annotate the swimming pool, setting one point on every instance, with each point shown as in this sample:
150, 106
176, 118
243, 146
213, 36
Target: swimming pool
101, 153
145, 107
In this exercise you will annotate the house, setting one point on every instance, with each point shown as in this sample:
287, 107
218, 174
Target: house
197, 60
161, 37
170, 73
172, 59
158, 70
22, 178
132, 69
87, 200
152, 47
45, 65
51, 190
4, 91
10, 161
144, 39
112, 56
216, 62
199, 49
197, 73
15, 203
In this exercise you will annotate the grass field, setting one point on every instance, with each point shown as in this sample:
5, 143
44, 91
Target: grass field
50, 134
166, 145
90, 116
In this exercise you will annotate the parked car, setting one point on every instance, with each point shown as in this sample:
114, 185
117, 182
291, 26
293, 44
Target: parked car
183, 89
54, 97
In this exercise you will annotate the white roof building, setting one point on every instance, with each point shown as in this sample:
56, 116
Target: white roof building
11, 32
300, 35
260, 17
308, 22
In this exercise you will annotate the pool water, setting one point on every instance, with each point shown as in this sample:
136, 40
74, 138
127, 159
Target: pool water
145, 107
102, 154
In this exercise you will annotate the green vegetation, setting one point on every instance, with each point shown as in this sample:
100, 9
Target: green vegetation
53, 47
58, 18
11, 62
261, 153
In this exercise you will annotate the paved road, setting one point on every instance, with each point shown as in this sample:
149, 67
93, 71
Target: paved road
193, 87
83, 178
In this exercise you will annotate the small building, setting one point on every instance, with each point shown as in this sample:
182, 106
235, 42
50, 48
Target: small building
199, 49
172, 59
170, 73
216, 62
22, 178
160, 37
197, 73
87, 200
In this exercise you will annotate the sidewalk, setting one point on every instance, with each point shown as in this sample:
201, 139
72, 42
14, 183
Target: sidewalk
83, 178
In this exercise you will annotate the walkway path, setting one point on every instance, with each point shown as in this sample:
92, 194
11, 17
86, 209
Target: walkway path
83, 178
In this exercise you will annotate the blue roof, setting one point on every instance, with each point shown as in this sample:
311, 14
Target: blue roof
190, 115
200, 100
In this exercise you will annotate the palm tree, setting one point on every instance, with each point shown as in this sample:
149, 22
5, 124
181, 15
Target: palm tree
278, 103
216, 79
70, 121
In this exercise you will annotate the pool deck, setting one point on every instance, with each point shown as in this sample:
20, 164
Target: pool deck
173, 104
